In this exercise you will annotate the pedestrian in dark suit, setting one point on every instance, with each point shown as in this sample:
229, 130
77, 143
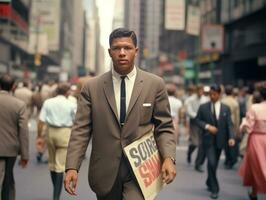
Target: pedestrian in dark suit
14, 137
115, 109
214, 118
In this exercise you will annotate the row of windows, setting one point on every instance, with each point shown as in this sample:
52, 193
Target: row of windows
234, 9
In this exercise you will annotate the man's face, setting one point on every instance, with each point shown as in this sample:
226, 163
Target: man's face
214, 96
123, 53
200, 92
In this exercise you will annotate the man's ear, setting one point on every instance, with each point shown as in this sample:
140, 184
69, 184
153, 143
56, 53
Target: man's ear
137, 51
109, 51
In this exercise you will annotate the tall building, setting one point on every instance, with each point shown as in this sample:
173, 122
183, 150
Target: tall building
14, 35
44, 40
144, 18
152, 34
57, 36
244, 58
133, 22
78, 23
93, 64
66, 36
118, 19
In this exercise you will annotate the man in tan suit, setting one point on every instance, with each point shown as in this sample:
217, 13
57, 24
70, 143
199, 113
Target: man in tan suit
14, 137
231, 153
114, 110
25, 94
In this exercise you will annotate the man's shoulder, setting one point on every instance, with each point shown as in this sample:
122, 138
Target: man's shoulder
149, 75
97, 79
205, 105
226, 107
11, 100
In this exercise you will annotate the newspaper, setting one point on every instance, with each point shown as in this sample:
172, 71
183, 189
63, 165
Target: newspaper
145, 162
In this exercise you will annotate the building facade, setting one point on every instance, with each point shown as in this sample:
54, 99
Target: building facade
244, 59
14, 35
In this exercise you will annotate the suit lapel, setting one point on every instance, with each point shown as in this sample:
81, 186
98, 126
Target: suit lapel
221, 112
109, 92
136, 90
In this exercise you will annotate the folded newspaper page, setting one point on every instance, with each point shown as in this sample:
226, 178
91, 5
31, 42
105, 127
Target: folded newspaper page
145, 161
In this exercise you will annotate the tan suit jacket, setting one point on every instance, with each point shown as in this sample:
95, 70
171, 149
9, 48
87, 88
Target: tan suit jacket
14, 127
235, 112
25, 94
97, 118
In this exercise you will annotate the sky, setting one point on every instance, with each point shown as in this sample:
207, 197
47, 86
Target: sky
106, 10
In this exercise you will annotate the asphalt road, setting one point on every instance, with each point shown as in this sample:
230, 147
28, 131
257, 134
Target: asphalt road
34, 183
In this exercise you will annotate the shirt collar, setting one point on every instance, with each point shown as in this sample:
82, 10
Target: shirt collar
130, 75
217, 102
61, 96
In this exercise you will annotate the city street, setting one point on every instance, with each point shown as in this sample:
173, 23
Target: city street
33, 183
134, 64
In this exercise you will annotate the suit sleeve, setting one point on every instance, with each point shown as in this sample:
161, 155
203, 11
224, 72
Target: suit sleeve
164, 130
199, 118
23, 132
230, 127
81, 131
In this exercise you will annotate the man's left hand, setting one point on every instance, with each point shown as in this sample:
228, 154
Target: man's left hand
168, 171
231, 142
23, 163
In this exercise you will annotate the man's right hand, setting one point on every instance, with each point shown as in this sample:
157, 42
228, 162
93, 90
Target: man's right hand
70, 182
212, 129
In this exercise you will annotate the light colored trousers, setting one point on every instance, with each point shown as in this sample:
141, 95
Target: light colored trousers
57, 143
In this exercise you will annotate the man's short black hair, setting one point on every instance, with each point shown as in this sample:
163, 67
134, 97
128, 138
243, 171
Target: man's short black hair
6, 82
216, 88
63, 88
228, 90
122, 32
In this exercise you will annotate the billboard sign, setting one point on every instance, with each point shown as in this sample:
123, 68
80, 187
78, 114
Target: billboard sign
193, 21
175, 14
212, 38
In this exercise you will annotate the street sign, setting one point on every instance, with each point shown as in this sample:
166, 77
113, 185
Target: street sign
212, 38
193, 20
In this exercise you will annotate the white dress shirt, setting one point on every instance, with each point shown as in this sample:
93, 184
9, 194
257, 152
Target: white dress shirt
175, 105
58, 111
193, 103
217, 106
129, 82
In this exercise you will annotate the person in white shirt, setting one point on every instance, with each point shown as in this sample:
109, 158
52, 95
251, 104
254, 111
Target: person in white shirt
175, 105
58, 114
193, 103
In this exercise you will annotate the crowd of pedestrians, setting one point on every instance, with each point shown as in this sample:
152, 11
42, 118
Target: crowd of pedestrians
208, 129
53, 105
196, 110
205, 112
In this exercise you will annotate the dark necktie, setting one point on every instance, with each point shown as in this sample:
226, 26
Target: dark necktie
123, 101
214, 115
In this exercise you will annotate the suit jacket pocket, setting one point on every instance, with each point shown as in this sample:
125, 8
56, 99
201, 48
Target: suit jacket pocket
145, 114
